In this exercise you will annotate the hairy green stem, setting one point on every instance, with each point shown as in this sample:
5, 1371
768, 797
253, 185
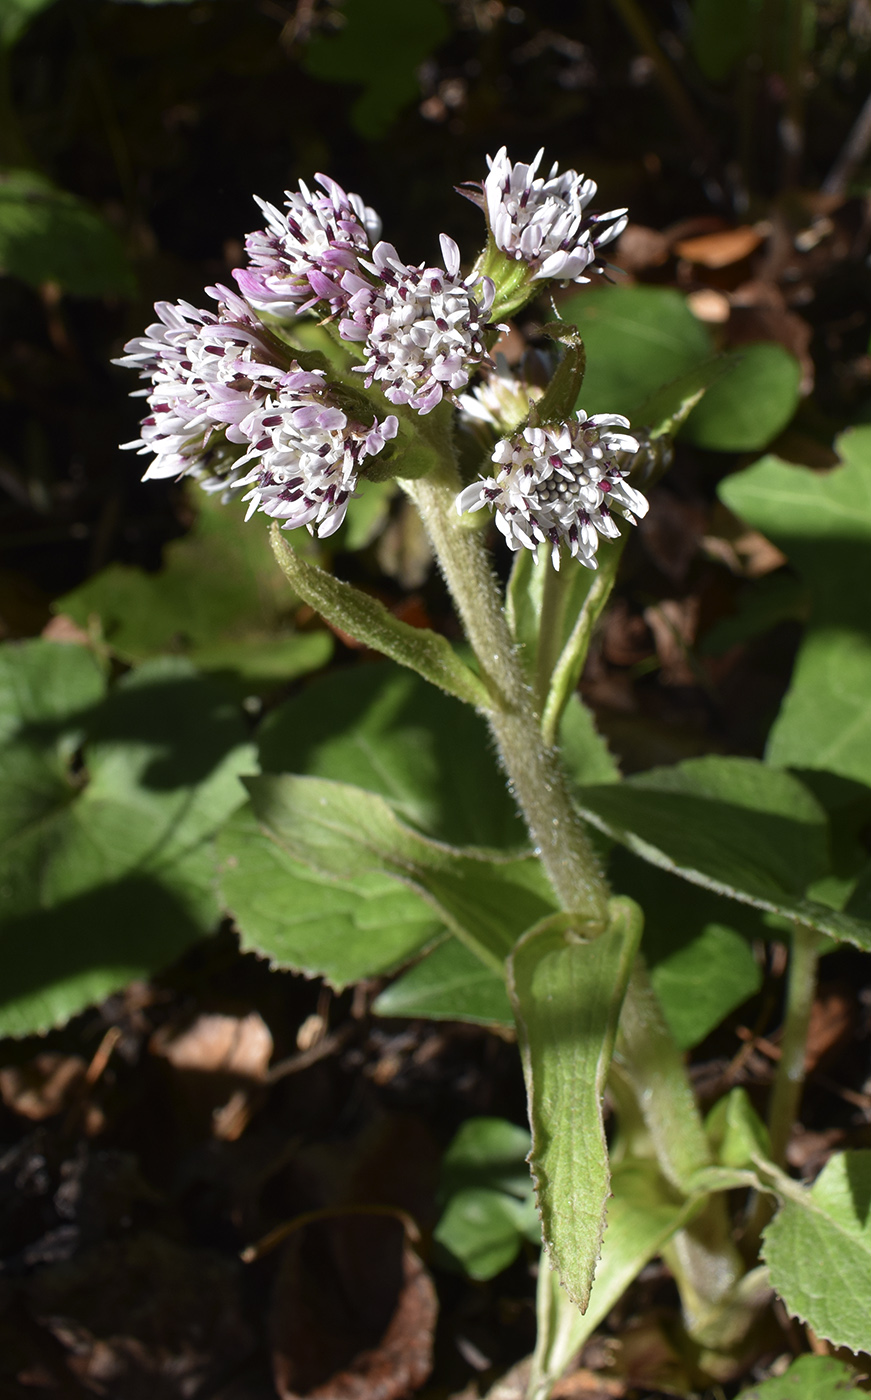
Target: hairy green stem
789, 1079
534, 773
553, 610
786, 1093
705, 1260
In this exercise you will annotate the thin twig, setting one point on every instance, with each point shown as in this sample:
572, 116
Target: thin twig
853, 152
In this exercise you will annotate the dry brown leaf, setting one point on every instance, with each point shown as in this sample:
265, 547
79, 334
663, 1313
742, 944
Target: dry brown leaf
720, 249
354, 1313
43, 1086
217, 1044
709, 305
831, 1021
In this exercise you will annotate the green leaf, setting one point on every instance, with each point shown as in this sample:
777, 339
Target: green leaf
483, 1230
386, 730
585, 754
818, 1251
219, 599
807, 1378
567, 997
314, 923
562, 392
380, 46
488, 1152
16, 16
822, 522
668, 407
750, 403
485, 898
46, 688
421, 650
490, 1207
736, 1132
50, 235
642, 1216
697, 947
638, 339
448, 984
732, 825
107, 874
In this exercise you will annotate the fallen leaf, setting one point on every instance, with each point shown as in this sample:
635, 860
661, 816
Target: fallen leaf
831, 1021
217, 1044
720, 249
353, 1312
43, 1086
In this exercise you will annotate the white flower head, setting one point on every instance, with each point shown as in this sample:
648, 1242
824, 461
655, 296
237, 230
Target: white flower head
307, 453
422, 327
299, 258
206, 369
501, 400
558, 484
544, 221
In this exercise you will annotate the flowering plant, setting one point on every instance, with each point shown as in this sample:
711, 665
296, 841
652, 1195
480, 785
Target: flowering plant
240, 401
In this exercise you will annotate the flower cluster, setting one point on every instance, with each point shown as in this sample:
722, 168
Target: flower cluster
308, 452
557, 485
544, 222
226, 392
233, 404
300, 257
422, 327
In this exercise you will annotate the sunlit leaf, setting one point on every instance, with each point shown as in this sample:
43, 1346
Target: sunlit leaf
448, 984
386, 730
567, 997
749, 403
807, 1378
638, 339
219, 599
107, 873
314, 923
818, 1251
822, 522
486, 900
734, 826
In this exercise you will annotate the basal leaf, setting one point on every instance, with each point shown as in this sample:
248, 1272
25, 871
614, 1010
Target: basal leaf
485, 898
218, 599
448, 984
484, 1229
567, 997
818, 1251
749, 403
822, 522
733, 825
316, 923
697, 946
108, 873
16, 16
638, 339
807, 1378
386, 730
